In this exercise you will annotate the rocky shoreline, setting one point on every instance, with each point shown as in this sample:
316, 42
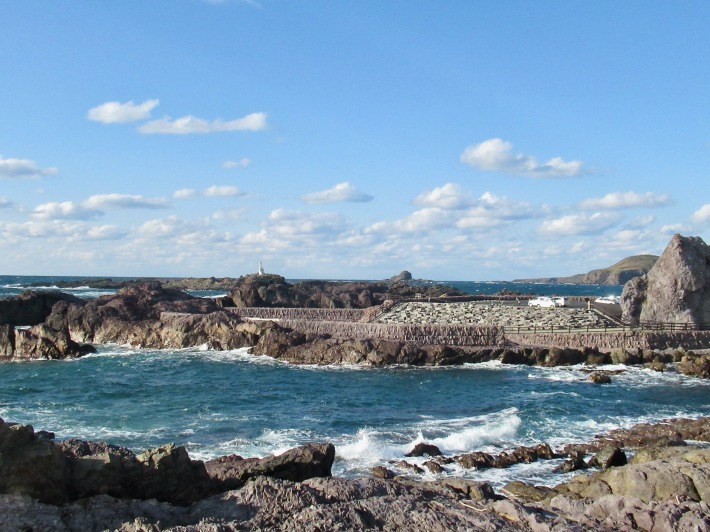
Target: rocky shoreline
78, 485
57, 326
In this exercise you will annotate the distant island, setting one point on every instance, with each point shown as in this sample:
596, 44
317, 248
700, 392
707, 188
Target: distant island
619, 273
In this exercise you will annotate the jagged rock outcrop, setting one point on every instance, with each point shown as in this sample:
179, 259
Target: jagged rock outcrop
274, 291
298, 464
59, 472
676, 289
31, 307
402, 276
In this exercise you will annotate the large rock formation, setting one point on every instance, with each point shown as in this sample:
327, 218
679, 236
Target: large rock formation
274, 291
59, 472
676, 289
31, 308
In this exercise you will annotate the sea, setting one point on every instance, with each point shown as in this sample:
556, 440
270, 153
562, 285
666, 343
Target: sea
235, 402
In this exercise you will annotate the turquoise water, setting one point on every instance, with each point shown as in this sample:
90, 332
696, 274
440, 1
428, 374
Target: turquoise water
220, 403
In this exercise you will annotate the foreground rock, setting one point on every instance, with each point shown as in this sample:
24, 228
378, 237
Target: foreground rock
664, 488
676, 289
60, 472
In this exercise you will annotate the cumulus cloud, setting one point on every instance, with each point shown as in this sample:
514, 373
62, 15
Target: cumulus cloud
222, 191
119, 113
579, 224
22, 169
124, 201
625, 200
185, 193
5, 203
702, 215
496, 155
341, 192
191, 124
421, 221
448, 196
65, 210
242, 163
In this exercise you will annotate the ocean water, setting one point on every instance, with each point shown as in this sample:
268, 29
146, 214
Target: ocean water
218, 403
11, 285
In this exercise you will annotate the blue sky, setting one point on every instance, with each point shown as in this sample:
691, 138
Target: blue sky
460, 140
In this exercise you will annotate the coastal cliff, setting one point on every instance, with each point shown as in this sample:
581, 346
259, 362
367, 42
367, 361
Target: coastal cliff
617, 274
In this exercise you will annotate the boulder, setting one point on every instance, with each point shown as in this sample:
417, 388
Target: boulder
599, 377
695, 365
30, 465
298, 464
424, 449
676, 289
43, 341
609, 456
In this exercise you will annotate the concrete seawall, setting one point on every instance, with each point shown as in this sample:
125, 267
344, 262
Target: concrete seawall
606, 341
324, 314
422, 334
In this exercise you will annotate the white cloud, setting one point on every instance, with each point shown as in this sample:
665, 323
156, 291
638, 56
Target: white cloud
65, 210
340, 192
448, 196
185, 193
190, 124
496, 155
124, 201
242, 163
624, 200
702, 215
119, 113
104, 232
229, 214
222, 191
160, 228
641, 222
5, 203
22, 169
579, 224
421, 221
294, 223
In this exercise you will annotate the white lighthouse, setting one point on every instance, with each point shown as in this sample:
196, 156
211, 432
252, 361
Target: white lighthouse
261, 269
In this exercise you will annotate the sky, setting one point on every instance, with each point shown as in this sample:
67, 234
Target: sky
459, 140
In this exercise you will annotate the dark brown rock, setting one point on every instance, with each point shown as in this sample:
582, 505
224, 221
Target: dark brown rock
598, 377
608, 457
298, 464
32, 307
383, 472
424, 449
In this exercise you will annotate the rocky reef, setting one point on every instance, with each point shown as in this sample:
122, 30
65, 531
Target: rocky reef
274, 291
676, 289
78, 485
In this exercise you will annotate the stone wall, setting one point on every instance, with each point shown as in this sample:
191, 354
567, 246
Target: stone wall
453, 335
321, 314
606, 341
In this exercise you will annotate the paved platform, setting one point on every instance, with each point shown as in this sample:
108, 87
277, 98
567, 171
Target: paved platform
505, 314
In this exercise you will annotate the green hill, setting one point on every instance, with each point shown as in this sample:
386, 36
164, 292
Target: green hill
618, 273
